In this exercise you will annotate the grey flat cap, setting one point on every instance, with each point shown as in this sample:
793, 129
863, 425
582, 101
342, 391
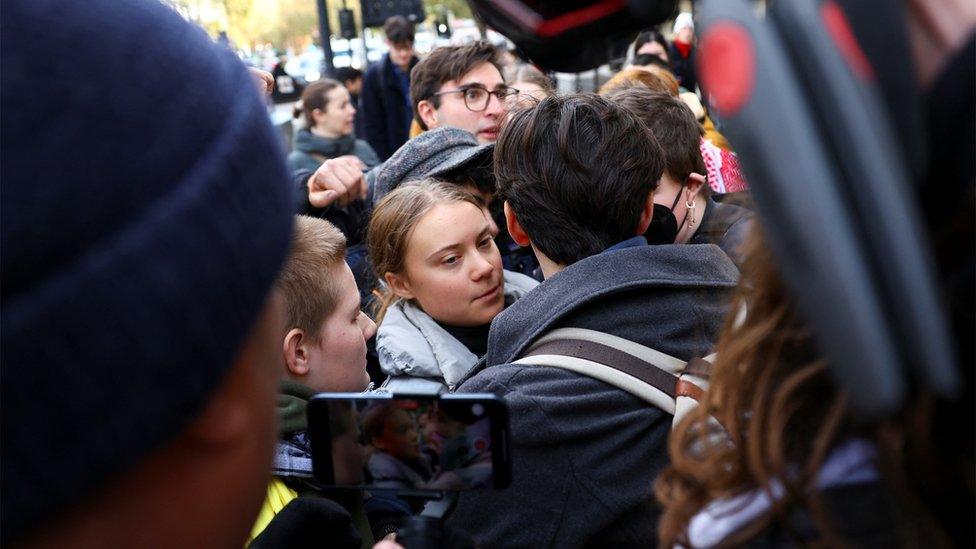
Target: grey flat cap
431, 154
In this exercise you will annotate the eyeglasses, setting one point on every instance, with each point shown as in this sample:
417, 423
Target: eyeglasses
476, 98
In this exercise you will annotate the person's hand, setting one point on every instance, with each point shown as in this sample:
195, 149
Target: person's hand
263, 80
337, 180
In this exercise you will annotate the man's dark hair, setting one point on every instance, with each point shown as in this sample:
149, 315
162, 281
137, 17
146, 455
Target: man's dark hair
447, 63
347, 74
576, 171
672, 123
398, 30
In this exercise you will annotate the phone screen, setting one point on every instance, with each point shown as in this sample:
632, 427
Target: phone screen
409, 442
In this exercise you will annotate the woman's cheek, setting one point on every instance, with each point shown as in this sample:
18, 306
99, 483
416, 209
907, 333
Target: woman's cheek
450, 292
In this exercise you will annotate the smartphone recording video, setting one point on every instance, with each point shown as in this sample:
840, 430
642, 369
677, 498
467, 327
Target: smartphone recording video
409, 442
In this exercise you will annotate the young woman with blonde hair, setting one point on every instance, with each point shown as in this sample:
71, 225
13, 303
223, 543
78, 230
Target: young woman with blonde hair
432, 244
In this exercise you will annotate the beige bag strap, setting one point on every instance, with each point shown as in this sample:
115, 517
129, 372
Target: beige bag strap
653, 376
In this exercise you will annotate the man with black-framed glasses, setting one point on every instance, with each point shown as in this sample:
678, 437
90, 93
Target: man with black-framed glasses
457, 86
461, 87
477, 98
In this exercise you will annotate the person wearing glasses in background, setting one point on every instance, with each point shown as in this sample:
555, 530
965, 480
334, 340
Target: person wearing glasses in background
461, 87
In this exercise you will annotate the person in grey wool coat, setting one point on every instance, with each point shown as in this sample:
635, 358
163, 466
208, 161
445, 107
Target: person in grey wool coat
584, 453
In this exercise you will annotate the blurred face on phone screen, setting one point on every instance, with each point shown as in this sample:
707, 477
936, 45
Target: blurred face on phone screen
348, 455
399, 438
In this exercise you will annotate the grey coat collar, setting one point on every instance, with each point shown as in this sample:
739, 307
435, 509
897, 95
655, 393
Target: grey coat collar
602, 275
411, 343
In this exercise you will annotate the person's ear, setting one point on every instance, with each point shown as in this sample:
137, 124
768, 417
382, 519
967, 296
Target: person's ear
295, 348
515, 228
694, 184
428, 113
646, 215
399, 285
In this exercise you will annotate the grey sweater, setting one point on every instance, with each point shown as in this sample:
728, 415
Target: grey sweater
585, 454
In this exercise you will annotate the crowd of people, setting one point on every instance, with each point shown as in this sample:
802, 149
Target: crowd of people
173, 281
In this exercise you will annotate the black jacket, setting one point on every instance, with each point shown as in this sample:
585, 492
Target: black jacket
384, 108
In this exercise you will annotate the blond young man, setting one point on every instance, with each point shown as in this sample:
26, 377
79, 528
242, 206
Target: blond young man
324, 350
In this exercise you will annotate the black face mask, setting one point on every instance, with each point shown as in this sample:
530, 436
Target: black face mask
664, 225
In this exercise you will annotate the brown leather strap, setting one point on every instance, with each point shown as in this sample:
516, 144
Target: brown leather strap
608, 356
698, 367
686, 388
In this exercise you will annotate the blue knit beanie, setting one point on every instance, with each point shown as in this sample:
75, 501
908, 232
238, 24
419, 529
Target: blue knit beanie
144, 213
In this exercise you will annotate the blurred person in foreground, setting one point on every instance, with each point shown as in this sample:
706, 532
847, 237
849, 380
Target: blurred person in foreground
144, 415
787, 464
791, 465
